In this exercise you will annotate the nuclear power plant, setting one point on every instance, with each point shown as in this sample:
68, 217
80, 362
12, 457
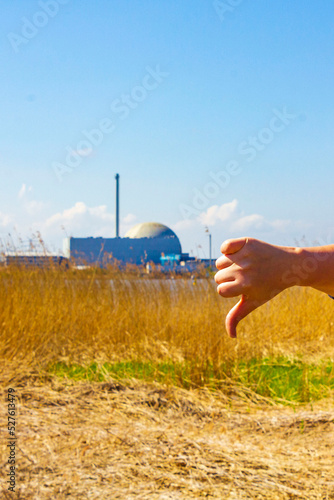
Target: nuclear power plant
150, 242
144, 244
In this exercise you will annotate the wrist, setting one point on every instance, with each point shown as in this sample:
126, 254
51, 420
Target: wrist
318, 265
312, 266
295, 271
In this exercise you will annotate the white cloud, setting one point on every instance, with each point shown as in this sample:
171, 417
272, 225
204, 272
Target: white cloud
80, 220
130, 219
5, 220
228, 218
282, 225
80, 216
254, 221
229, 221
24, 189
184, 224
217, 213
33, 207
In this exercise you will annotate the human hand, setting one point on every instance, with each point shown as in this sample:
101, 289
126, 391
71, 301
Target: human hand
253, 269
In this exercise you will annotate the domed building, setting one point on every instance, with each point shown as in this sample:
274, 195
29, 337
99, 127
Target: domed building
167, 239
147, 242
151, 230
150, 242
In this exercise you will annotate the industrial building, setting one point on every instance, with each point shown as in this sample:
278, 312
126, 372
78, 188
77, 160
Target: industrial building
144, 244
147, 242
150, 242
32, 259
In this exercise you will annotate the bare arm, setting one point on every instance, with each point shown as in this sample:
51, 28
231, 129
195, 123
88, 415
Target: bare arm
258, 271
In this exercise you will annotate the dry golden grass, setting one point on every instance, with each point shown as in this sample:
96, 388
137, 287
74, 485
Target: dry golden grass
143, 441
132, 439
48, 315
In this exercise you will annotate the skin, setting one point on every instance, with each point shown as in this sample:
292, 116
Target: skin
258, 271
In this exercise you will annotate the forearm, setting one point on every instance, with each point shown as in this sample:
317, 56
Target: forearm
312, 267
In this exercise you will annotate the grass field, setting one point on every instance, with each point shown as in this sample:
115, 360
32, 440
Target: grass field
130, 388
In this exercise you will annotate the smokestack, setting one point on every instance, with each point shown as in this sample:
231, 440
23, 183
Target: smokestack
117, 205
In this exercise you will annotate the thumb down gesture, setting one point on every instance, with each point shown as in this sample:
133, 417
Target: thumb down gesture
253, 269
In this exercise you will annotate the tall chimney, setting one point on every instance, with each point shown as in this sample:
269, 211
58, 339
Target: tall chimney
117, 205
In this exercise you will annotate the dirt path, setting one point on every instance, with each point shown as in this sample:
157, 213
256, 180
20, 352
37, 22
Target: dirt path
108, 441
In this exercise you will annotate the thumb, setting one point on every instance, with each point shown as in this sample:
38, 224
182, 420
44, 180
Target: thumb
238, 312
233, 245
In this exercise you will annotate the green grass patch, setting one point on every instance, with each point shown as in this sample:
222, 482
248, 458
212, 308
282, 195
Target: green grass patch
290, 381
176, 374
287, 380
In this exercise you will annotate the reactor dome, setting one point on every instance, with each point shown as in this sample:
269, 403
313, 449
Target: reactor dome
156, 231
150, 230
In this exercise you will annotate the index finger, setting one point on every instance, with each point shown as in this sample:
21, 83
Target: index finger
223, 262
233, 245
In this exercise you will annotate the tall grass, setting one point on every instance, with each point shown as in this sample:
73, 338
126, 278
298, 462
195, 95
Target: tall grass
50, 316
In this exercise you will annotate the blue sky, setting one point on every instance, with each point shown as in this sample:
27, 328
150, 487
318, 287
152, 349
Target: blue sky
182, 93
